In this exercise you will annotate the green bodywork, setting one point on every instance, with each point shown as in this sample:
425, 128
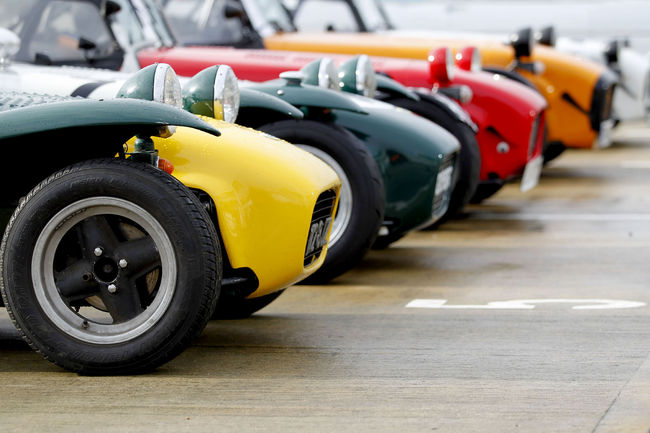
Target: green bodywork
408, 149
255, 100
300, 95
74, 130
388, 85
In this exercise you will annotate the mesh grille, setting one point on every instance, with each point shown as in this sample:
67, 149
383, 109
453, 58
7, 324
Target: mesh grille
441, 198
320, 224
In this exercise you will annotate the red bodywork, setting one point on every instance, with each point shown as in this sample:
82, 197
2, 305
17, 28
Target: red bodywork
504, 110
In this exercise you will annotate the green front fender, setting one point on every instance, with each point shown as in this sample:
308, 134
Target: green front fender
40, 138
306, 95
393, 88
254, 104
409, 151
117, 117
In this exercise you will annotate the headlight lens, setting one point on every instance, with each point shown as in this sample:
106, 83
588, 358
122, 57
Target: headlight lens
322, 73
358, 76
166, 87
226, 93
213, 92
366, 79
469, 59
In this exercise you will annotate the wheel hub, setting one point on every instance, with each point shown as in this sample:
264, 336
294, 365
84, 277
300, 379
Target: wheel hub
106, 270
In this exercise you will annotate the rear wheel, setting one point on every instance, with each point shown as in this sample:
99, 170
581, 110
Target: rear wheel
110, 267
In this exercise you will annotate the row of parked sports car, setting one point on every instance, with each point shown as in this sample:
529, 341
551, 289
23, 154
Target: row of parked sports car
162, 216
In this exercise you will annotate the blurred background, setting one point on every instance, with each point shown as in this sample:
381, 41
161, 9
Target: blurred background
599, 19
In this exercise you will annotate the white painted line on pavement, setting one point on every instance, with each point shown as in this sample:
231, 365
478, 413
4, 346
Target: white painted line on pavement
635, 164
528, 304
564, 217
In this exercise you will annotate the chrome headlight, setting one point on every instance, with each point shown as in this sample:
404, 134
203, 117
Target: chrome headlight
166, 87
157, 82
469, 59
441, 65
213, 92
322, 73
358, 76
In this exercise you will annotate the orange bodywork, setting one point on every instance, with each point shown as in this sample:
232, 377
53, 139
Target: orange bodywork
563, 74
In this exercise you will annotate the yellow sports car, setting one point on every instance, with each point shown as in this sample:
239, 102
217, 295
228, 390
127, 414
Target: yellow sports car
110, 265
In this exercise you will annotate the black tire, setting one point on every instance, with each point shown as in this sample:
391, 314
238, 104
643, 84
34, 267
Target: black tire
486, 190
231, 308
552, 150
358, 230
469, 167
383, 242
61, 252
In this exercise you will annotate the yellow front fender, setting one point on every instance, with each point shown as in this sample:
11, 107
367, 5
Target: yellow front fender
264, 189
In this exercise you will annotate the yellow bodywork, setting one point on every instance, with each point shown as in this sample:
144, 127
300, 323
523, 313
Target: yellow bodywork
563, 73
265, 190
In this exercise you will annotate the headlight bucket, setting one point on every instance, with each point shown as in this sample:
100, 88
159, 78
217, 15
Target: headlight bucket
469, 59
213, 92
441, 65
357, 75
522, 42
322, 73
546, 36
157, 82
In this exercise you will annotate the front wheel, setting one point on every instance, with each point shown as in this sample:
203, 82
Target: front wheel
469, 165
110, 267
240, 308
362, 198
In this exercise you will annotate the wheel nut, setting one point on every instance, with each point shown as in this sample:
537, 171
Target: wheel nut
123, 263
98, 251
112, 288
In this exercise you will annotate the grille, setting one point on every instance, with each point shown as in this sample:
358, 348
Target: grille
320, 224
534, 133
442, 193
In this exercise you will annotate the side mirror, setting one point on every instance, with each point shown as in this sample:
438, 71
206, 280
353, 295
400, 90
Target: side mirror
233, 10
85, 44
111, 7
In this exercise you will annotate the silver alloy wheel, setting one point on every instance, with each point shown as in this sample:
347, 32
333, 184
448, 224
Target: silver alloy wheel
346, 199
51, 300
